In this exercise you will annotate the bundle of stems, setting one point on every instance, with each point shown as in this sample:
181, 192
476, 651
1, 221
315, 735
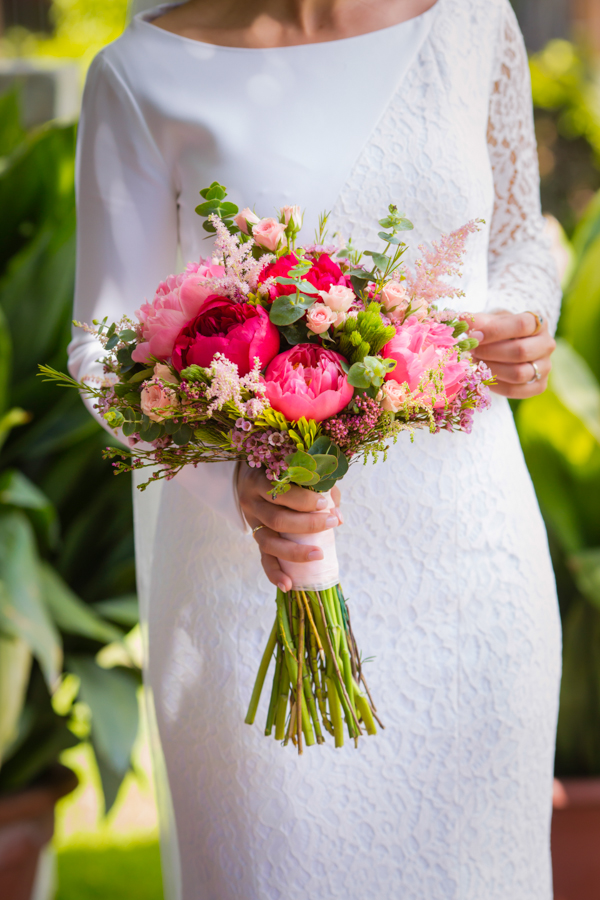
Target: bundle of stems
318, 681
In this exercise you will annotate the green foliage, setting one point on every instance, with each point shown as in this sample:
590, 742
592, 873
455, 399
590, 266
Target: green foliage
560, 436
65, 522
215, 204
123, 872
364, 335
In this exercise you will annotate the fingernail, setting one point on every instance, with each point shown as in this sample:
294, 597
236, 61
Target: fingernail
340, 516
478, 335
282, 588
332, 521
321, 503
315, 554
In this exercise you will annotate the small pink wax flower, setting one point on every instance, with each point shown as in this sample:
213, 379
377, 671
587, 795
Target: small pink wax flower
246, 218
339, 298
319, 317
177, 300
308, 381
154, 396
269, 233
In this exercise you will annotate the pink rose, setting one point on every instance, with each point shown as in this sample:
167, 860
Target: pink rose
164, 373
308, 381
319, 317
154, 397
293, 214
394, 396
419, 307
239, 331
246, 218
177, 300
269, 233
339, 298
394, 295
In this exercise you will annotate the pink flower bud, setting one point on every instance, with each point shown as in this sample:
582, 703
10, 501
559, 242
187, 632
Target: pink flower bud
246, 219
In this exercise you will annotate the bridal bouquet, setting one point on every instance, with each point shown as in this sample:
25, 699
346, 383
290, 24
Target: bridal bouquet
301, 360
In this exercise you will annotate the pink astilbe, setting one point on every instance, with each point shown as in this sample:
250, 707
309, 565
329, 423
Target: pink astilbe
243, 269
226, 386
442, 260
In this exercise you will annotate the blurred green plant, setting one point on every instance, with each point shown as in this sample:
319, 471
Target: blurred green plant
68, 671
560, 436
566, 94
81, 29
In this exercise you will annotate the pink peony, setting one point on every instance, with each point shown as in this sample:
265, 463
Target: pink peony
177, 300
240, 331
319, 317
154, 396
245, 218
419, 347
323, 273
269, 233
308, 381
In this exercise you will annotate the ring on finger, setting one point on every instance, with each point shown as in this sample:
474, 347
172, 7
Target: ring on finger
258, 527
537, 375
539, 321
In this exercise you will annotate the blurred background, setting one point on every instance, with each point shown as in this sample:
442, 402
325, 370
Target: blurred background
69, 641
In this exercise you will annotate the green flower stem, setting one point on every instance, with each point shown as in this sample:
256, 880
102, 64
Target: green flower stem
260, 678
335, 713
275, 689
300, 667
351, 716
283, 694
365, 710
312, 707
292, 666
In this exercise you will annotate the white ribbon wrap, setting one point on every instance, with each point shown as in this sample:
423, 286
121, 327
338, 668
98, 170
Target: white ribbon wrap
319, 574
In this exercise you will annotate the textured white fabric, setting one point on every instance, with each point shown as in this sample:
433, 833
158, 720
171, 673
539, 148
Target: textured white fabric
443, 555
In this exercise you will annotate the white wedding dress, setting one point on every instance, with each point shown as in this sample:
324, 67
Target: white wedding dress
443, 554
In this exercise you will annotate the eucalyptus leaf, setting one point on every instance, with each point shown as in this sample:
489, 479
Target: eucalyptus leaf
323, 444
299, 475
300, 458
285, 310
112, 342
380, 259
296, 333
390, 238
151, 433
326, 464
183, 435
130, 428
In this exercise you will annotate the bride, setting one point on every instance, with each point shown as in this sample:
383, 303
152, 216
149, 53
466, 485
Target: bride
343, 105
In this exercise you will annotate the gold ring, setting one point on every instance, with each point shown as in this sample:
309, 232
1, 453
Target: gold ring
536, 374
539, 321
258, 527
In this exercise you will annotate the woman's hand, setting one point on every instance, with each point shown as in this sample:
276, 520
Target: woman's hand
510, 346
298, 512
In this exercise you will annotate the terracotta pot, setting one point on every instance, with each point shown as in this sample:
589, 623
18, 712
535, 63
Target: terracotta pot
26, 826
576, 839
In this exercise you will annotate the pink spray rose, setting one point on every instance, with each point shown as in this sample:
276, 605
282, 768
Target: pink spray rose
177, 300
244, 218
319, 317
394, 296
154, 396
239, 331
293, 214
308, 381
394, 395
339, 298
419, 347
269, 233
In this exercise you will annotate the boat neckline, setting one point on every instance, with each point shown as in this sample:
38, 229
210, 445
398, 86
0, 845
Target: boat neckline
143, 19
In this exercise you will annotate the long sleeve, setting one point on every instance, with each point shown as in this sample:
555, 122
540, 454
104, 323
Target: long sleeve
127, 237
522, 271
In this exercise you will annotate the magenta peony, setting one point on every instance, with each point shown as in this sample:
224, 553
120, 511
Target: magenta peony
323, 274
308, 381
177, 300
419, 347
239, 331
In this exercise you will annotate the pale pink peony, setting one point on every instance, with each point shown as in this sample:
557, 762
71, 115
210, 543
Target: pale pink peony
308, 381
339, 298
293, 213
394, 295
177, 301
394, 395
154, 396
269, 233
245, 218
319, 317
419, 347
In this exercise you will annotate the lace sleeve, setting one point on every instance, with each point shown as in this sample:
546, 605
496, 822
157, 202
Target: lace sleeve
522, 271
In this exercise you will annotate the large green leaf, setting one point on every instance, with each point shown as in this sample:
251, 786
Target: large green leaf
11, 130
111, 695
580, 323
5, 362
72, 615
575, 385
585, 566
123, 610
15, 666
17, 490
22, 609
